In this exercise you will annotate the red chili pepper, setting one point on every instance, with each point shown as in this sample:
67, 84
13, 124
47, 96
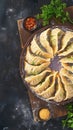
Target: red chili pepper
30, 23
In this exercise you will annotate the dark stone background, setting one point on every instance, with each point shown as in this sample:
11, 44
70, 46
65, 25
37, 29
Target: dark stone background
15, 111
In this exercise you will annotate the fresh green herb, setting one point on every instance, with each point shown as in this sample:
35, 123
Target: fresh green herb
33, 63
54, 9
69, 119
33, 72
71, 57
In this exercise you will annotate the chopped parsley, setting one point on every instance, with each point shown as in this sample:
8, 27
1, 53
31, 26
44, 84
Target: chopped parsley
69, 119
33, 63
54, 9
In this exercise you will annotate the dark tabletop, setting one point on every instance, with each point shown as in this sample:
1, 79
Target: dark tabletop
15, 110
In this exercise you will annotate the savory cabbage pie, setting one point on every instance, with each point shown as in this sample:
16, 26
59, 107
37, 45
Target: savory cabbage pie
48, 64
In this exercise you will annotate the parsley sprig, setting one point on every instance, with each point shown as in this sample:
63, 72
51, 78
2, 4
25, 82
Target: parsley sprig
54, 9
69, 119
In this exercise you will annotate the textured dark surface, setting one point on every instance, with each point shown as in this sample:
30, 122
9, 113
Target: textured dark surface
15, 111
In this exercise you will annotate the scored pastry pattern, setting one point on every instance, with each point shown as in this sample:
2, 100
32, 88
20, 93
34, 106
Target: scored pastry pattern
48, 64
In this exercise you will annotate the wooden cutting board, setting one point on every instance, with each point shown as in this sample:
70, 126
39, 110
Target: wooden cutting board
36, 103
